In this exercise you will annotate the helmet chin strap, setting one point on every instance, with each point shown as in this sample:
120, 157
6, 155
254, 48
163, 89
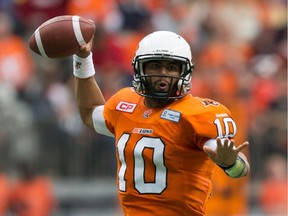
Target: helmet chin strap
161, 97
161, 94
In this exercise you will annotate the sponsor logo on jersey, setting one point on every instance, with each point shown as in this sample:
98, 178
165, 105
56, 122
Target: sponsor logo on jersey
207, 102
221, 115
126, 107
171, 115
147, 113
142, 131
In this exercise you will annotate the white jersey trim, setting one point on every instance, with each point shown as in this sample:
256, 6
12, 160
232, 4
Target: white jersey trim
99, 122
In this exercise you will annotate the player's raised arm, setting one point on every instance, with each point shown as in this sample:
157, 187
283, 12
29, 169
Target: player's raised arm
228, 157
88, 93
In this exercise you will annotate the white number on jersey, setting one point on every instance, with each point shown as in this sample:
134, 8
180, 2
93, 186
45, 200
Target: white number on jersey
229, 129
139, 169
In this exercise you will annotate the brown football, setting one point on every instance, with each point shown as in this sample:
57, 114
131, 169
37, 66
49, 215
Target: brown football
61, 36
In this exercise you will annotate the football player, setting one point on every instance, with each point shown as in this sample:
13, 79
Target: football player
167, 141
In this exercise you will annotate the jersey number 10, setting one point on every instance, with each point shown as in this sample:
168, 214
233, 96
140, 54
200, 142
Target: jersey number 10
139, 169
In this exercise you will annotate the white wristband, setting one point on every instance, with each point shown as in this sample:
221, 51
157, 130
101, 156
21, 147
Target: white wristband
83, 67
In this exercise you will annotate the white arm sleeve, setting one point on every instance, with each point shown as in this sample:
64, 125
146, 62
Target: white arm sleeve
99, 122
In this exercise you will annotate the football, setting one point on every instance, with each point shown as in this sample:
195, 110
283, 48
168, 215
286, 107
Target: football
61, 36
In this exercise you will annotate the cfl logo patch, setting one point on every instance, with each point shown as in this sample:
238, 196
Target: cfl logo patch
78, 65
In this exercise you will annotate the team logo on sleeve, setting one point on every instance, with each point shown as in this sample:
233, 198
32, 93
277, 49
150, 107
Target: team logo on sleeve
147, 113
171, 115
207, 102
126, 107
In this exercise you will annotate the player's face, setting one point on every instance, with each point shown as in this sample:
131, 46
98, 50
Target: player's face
160, 73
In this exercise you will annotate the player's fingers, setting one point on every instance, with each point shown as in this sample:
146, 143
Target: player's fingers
83, 47
226, 143
219, 143
91, 21
242, 146
231, 144
87, 45
90, 43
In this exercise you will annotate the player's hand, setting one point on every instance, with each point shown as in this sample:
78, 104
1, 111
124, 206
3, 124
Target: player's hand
226, 153
85, 49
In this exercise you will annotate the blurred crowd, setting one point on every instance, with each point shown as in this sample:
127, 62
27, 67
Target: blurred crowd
239, 49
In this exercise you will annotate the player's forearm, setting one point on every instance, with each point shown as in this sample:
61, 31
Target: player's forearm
88, 93
88, 96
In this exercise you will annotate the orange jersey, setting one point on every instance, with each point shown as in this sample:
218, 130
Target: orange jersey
162, 169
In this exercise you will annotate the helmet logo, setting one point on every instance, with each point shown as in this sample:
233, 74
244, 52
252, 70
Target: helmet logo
165, 51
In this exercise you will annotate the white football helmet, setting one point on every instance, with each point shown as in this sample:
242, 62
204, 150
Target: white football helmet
163, 45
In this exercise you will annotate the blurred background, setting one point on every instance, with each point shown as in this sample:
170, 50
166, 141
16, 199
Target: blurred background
50, 164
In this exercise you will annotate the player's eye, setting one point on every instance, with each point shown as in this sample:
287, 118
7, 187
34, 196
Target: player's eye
153, 65
174, 67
